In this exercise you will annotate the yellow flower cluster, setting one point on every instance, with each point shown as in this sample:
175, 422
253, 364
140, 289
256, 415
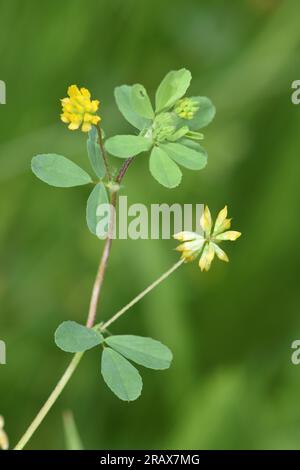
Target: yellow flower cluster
207, 245
79, 109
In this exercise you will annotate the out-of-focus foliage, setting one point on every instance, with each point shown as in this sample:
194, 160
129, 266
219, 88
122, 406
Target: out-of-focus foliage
73, 441
232, 384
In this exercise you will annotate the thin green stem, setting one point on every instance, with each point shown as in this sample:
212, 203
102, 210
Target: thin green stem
94, 302
77, 357
50, 401
103, 151
141, 295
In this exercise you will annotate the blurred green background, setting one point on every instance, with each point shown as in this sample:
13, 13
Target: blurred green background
232, 384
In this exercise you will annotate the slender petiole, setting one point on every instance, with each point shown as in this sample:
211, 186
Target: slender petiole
103, 151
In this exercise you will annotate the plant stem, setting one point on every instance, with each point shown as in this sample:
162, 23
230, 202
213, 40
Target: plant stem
103, 151
106, 251
101, 269
77, 357
141, 295
92, 308
51, 400
123, 169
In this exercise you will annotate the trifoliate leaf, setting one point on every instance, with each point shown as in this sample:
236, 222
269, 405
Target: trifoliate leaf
185, 156
163, 169
125, 146
72, 337
124, 103
94, 153
120, 376
59, 171
172, 88
97, 197
144, 351
141, 102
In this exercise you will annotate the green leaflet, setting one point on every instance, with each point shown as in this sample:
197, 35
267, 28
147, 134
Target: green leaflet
72, 337
179, 134
94, 153
124, 103
125, 146
98, 196
141, 102
203, 116
144, 351
120, 376
185, 156
192, 144
172, 88
59, 171
163, 169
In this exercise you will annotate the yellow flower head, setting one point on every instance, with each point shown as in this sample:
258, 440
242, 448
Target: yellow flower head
79, 109
207, 245
4, 444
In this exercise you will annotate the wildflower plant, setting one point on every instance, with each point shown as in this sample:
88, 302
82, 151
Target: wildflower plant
168, 133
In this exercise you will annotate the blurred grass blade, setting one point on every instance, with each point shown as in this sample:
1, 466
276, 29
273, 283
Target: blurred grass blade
73, 440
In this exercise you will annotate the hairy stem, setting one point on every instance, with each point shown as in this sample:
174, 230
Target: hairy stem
77, 357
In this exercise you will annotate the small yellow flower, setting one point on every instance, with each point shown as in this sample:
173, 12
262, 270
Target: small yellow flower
79, 109
207, 245
4, 444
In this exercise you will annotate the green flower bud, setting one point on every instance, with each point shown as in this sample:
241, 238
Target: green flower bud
186, 108
163, 127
